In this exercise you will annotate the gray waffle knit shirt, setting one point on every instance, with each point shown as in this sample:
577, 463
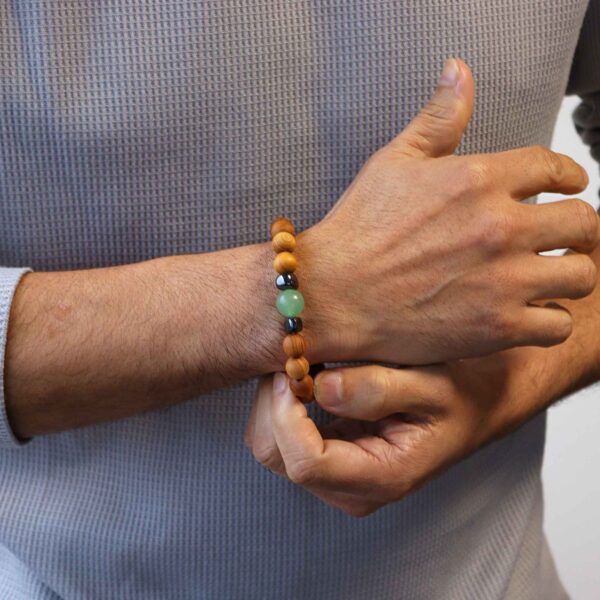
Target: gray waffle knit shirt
131, 129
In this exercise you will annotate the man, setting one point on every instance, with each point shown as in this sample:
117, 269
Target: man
132, 131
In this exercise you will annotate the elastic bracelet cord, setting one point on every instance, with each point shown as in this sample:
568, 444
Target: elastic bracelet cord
290, 304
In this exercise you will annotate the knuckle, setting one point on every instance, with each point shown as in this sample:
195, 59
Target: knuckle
588, 221
503, 328
439, 111
264, 453
552, 164
588, 275
379, 386
442, 116
560, 330
302, 471
417, 141
557, 329
494, 230
473, 173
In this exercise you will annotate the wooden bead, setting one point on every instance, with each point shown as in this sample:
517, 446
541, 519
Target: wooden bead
297, 368
281, 224
285, 262
294, 345
303, 388
284, 242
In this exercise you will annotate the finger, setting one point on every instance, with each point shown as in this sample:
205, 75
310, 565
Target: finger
348, 429
251, 422
264, 446
373, 392
309, 460
570, 276
536, 169
570, 224
357, 505
544, 326
439, 126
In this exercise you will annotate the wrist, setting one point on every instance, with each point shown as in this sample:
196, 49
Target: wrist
330, 328
236, 302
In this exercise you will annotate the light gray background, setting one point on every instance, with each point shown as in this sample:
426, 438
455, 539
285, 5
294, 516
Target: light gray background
571, 467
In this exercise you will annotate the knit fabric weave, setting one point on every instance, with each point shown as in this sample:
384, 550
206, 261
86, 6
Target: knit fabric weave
131, 129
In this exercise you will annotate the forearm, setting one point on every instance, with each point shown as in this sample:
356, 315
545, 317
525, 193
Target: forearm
95, 345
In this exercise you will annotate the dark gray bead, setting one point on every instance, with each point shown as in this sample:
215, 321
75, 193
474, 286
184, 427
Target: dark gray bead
286, 281
292, 325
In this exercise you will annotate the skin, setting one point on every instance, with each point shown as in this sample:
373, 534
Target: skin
466, 250
96, 345
397, 428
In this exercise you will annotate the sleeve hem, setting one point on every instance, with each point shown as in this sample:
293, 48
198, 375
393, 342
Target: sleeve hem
9, 279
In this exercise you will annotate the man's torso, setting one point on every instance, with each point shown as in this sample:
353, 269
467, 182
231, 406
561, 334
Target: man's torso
132, 129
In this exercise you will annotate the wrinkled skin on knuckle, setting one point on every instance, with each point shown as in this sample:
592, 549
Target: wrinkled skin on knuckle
493, 230
556, 333
589, 275
378, 387
587, 218
265, 454
551, 163
441, 117
502, 327
302, 471
582, 275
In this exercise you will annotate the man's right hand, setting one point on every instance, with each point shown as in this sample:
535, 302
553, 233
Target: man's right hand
429, 256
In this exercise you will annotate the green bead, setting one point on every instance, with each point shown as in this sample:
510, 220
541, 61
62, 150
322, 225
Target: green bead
290, 303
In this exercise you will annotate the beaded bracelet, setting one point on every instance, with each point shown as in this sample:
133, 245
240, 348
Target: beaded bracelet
290, 304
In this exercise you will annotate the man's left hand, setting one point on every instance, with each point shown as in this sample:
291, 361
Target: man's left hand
395, 428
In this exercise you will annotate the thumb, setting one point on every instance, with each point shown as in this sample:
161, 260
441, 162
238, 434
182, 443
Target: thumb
438, 128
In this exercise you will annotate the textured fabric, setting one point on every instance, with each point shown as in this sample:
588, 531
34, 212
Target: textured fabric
9, 278
136, 128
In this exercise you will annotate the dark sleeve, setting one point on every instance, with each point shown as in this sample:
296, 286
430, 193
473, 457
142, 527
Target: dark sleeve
584, 80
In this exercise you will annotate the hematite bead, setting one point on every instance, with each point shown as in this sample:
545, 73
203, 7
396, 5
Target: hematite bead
286, 281
293, 325
290, 303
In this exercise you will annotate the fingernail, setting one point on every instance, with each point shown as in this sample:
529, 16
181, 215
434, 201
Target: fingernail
329, 388
450, 74
279, 383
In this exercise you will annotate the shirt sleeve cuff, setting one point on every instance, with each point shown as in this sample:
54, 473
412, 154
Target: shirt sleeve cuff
9, 279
